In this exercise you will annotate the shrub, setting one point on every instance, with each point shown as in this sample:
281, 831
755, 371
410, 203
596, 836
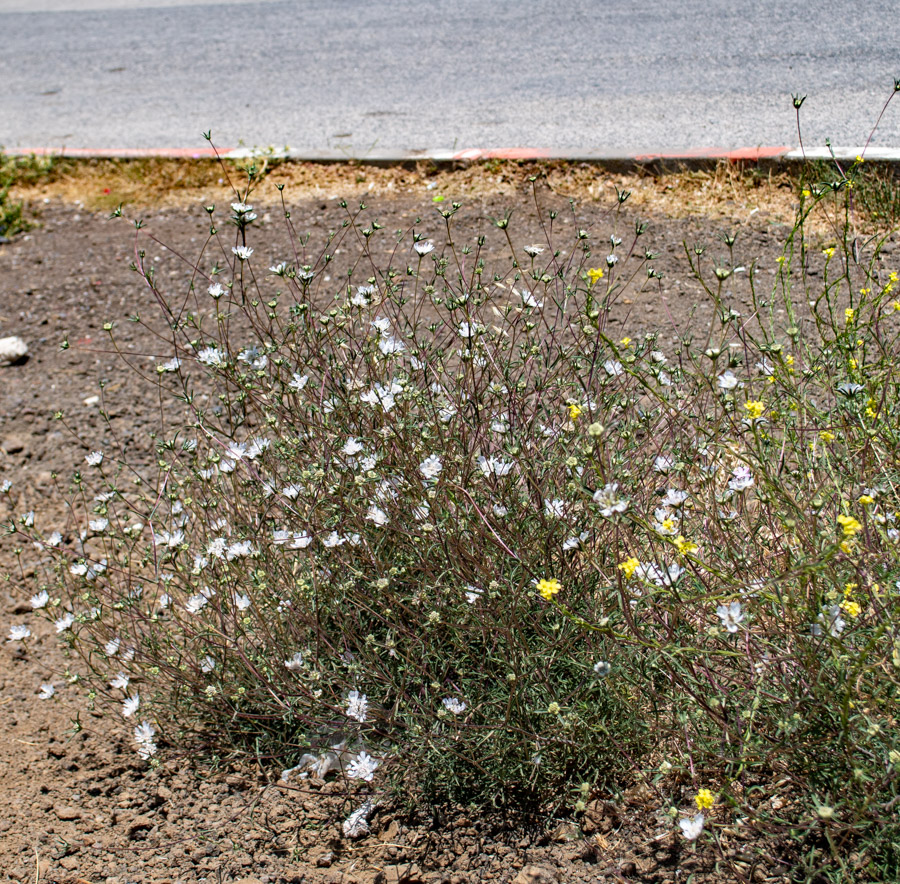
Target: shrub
435, 518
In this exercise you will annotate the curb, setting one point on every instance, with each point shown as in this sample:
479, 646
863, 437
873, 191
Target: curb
690, 156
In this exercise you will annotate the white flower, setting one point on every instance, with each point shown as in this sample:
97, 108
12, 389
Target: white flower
65, 622
431, 467
377, 515
674, 497
728, 381
473, 593
730, 615
196, 603
131, 705
208, 664
390, 345
381, 395
300, 540
533, 251
663, 463
295, 663
741, 479
333, 539
492, 466
120, 682
554, 509
111, 648
40, 600
575, 542
357, 706
94, 459
47, 691
298, 381
241, 208
216, 290
468, 329
423, 247
613, 368
691, 827
291, 492
607, 498
362, 767
351, 447
831, 619
528, 299
611, 260
98, 526
239, 550
216, 547
241, 602
280, 268
765, 367
212, 357
665, 576
242, 252
280, 537
454, 705
28, 519
55, 539
170, 366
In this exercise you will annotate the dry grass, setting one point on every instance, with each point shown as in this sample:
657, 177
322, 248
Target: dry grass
727, 191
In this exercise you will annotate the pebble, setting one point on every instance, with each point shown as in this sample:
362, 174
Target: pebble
12, 350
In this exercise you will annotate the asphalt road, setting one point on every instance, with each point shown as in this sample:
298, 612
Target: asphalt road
363, 76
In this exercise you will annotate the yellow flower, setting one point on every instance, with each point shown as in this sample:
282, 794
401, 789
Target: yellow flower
625, 342
896, 305
848, 315
789, 359
594, 274
780, 259
629, 566
853, 363
851, 608
829, 252
860, 158
548, 588
704, 799
754, 408
805, 192
850, 526
574, 411
685, 547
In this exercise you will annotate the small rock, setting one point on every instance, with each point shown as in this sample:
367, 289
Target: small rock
70, 863
12, 350
325, 860
65, 812
536, 875
248, 881
402, 874
92, 400
138, 825
15, 443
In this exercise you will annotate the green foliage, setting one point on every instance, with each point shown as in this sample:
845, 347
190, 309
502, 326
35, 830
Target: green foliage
17, 170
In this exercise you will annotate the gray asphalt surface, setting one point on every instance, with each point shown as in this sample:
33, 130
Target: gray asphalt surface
362, 75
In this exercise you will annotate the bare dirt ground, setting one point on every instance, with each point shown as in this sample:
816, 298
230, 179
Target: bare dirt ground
80, 807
